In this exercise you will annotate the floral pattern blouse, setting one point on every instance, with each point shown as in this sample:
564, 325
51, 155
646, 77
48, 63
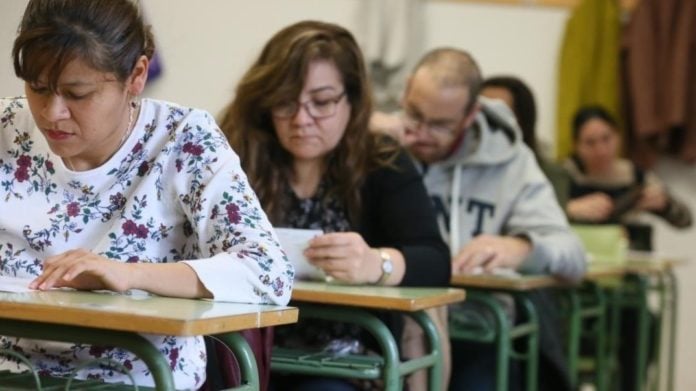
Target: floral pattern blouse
173, 192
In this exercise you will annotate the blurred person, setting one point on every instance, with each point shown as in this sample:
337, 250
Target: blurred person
606, 188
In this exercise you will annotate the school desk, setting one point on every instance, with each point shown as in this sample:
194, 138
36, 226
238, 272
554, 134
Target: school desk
116, 319
351, 304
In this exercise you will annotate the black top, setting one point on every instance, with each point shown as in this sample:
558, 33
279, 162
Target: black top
624, 195
396, 212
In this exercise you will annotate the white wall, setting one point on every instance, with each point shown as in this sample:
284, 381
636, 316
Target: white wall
206, 46
516, 40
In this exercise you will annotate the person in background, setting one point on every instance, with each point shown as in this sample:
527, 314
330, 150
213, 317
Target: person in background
520, 99
608, 189
495, 206
104, 190
299, 121
553, 365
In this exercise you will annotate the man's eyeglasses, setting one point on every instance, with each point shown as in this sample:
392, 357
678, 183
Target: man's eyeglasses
413, 123
317, 108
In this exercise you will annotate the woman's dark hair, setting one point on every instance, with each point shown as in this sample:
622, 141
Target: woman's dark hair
108, 35
523, 106
278, 76
587, 113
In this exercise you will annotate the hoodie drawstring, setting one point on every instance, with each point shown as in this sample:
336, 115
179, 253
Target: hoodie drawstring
454, 209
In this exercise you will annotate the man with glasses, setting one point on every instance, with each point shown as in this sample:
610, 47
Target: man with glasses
495, 207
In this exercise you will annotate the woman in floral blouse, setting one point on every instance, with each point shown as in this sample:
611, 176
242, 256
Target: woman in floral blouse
102, 190
299, 122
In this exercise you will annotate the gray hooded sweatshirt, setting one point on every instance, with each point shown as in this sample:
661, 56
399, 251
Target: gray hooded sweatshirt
500, 190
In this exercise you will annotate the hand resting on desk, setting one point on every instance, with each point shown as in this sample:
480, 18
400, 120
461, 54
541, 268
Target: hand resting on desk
81, 269
491, 252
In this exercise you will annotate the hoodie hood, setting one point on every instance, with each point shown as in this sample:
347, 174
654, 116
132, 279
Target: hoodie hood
493, 138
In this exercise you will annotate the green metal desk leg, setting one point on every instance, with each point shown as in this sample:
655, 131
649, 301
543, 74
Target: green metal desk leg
673, 290
614, 300
641, 284
500, 335
601, 352
373, 325
132, 342
574, 330
245, 358
532, 342
430, 331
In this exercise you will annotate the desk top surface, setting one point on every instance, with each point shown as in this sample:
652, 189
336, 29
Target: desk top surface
141, 313
506, 283
522, 283
378, 297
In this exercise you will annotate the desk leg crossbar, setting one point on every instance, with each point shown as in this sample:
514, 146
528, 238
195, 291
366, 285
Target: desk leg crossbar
387, 367
503, 335
133, 342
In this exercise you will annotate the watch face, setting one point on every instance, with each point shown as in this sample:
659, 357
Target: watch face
387, 265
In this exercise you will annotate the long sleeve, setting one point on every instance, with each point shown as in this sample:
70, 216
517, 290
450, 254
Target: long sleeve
398, 213
556, 250
242, 260
676, 212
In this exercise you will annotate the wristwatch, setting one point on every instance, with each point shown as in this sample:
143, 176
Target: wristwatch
387, 267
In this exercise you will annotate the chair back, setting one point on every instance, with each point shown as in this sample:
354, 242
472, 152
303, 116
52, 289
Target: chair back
606, 243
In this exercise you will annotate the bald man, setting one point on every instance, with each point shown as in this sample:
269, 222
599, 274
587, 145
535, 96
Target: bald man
495, 207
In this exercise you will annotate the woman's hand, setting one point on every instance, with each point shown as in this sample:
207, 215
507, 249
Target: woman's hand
595, 207
82, 269
346, 257
653, 198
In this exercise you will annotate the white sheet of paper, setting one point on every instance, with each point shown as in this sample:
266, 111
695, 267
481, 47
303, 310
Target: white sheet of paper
294, 242
500, 272
15, 284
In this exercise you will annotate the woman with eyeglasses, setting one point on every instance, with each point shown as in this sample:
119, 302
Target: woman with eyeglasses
105, 190
299, 123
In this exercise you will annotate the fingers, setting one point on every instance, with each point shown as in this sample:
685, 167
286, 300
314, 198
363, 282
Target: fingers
78, 269
58, 270
342, 255
333, 239
336, 245
472, 257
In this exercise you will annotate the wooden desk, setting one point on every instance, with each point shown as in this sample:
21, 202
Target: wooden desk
347, 303
93, 318
382, 298
519, 283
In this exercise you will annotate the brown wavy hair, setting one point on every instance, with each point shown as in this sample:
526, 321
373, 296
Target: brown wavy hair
109, 35
278, 76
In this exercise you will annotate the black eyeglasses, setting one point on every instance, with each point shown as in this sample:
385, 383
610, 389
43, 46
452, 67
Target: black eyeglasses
317, 108
415, 123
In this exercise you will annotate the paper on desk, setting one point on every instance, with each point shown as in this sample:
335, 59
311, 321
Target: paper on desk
499, 272
294, 242
15, 284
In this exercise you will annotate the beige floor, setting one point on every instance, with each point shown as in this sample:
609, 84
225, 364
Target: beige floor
681, 180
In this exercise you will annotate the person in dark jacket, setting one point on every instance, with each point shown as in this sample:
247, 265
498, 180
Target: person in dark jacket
299, 122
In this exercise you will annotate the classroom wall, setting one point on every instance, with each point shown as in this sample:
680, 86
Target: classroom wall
206, 46
205, 52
